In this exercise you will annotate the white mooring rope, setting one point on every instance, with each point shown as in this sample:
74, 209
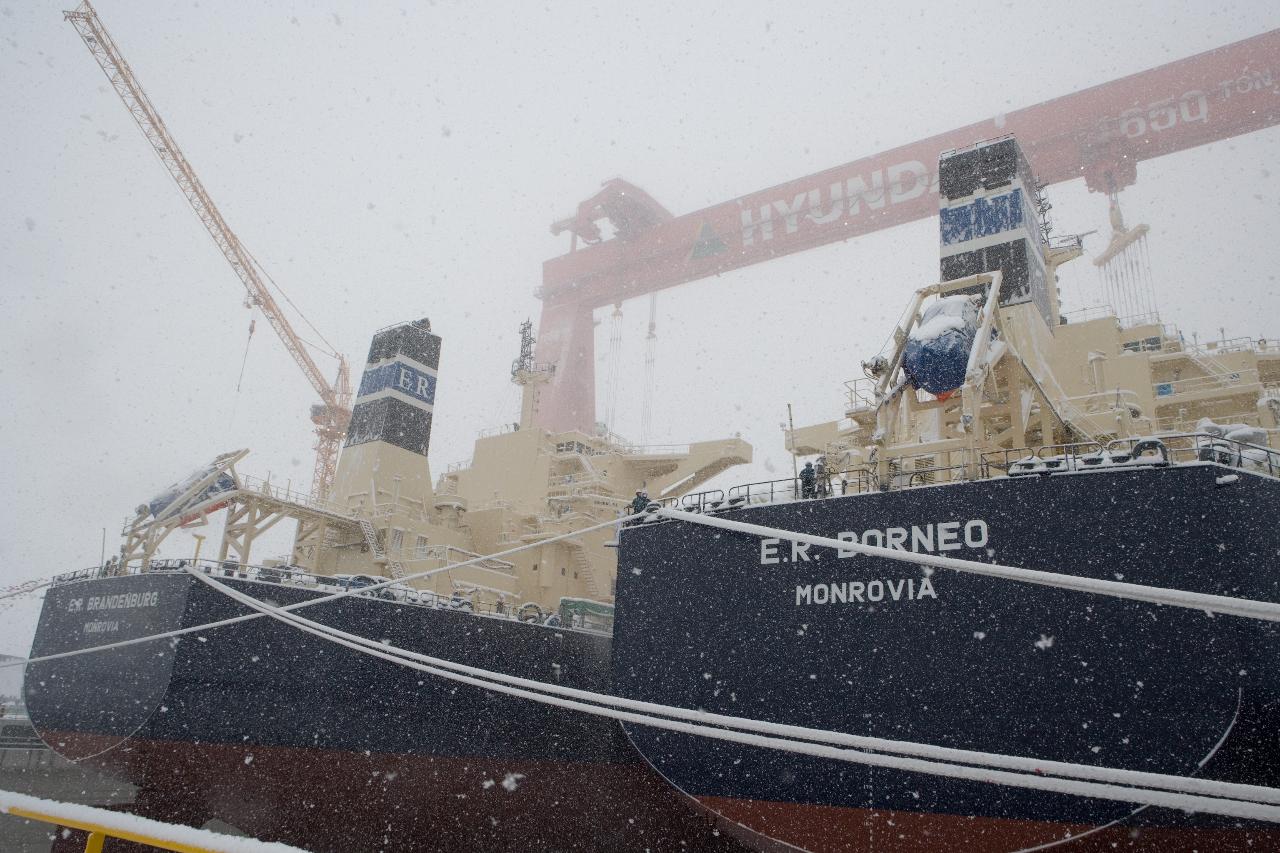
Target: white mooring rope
1249, 608
314, 601
1245, 801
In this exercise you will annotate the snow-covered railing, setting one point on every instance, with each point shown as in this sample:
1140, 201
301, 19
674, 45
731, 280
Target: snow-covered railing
1204, 447
906, 472
284, 494
500, 429
445, 554
1100, 402
860, 395
1175, 449
653, 449
1200, 383
401, 593
1089, 312
101, 824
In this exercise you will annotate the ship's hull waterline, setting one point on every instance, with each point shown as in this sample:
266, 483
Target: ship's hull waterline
291, 738
734, 624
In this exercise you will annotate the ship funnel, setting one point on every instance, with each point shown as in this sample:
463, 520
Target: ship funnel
988, 221
385, 454
398, 389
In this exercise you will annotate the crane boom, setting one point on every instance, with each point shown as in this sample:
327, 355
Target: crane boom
336, 412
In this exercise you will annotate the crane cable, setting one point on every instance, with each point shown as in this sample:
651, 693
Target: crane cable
311, 602
1266, 611
235, 400
245, 360
333, 351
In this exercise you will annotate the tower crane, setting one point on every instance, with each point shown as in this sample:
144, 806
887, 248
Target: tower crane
333, 413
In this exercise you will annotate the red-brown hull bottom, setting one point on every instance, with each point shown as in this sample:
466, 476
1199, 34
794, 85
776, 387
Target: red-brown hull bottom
832, 829
325, 800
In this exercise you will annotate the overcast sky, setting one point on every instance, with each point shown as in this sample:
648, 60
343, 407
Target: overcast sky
391, 161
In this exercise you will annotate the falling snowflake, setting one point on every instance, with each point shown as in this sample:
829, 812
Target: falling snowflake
512, 780
1044, 642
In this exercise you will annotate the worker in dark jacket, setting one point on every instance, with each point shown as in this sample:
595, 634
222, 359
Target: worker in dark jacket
640, 501
808, 481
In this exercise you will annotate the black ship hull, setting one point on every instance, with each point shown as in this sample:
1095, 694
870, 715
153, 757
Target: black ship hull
726, 622
291, 738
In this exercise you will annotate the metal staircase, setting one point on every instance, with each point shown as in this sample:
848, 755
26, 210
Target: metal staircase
583, 566
374, 542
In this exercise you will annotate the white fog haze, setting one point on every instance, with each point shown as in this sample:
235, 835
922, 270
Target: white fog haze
387, 162
1016, 589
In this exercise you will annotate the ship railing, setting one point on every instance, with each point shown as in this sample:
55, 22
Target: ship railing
1185, 422
460, 465
694, 501
849, 481
929, 475
462, 600
1051, 457
614, 441
100, 824
1162, 449
1240, 344
767, 491
860, 394
1066, 241
1100, 402
257, 485
1175, 343
1133, 320
90, 574
653, 449
451, 554
1200, 383
1089, 312
1181, 448
1046, 459
496, 503
500, 429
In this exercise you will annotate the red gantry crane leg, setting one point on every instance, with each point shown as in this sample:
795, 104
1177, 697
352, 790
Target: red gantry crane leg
1099, 134
332, 415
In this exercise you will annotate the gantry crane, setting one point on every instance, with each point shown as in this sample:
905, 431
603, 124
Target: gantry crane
332, 415
1099, 134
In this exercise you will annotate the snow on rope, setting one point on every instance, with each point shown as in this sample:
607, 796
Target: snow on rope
1248, 608
208, 626
132, 827
1244, 801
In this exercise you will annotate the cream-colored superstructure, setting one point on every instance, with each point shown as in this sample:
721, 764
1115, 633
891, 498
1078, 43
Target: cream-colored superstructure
386, 516
523, 484
1092, 379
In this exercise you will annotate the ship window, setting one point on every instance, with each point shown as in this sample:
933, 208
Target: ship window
575, 575
535, 567
420, 549
562, 570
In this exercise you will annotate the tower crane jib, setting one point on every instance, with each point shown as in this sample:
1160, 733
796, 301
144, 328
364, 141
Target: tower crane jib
332, 417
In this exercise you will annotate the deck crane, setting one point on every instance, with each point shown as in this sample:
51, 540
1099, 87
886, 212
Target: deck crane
333, 413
